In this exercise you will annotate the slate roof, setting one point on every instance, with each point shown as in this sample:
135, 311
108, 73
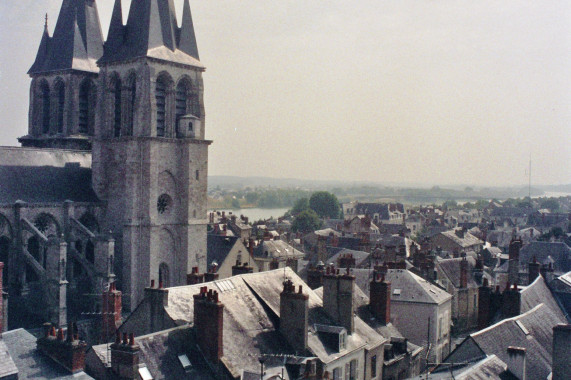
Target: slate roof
537, 292
7, 365
413, 288
159, 352
451, 268
77, 42
276, 249
218, 247
251, 309
382, 209
31, 363
467, 241
559, 253
152, 31
46, 184
532, 330
359, 256
487, 368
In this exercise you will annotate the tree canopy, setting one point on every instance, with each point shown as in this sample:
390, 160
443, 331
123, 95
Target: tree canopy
306, 221
325, 204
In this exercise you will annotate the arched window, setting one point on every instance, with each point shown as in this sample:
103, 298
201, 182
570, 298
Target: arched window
160, 98
130, 105
45, 107
164, 275
60, 94
5, 257
117, 107
90, 252
181, 101
86, 99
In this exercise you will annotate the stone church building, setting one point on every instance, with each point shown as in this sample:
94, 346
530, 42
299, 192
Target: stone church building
110, 181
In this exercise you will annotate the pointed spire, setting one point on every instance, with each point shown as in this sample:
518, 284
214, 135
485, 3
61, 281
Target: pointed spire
116, 28
187, 40
43, 50
77, 40
152, 31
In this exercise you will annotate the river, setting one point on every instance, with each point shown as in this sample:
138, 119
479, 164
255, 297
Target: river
255, 214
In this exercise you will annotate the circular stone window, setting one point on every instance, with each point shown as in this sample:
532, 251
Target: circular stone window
164, 204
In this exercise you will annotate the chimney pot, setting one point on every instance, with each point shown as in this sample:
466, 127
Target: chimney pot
131, 339
60, 334
125, 341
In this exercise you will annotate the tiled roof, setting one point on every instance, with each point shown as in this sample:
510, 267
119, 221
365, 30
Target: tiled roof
537, 292
557, 252
276, 249
451, 268
468, 240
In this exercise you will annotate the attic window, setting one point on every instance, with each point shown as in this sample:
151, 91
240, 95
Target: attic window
145, 374
396, 292
183, 359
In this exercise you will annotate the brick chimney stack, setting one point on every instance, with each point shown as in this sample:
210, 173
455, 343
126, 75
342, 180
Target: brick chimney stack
111, 312
338, 292
561, 352
484, 305
69, 353
241, 268
463, 273
208, 323
380, 299
194, 277
158, 299
516, 362
533, 268
511, 302
294, 311
513, 263
125, 357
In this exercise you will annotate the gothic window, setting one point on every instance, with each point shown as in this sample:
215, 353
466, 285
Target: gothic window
117, 107
47, 225
130, 105
160, 98
45, 107
5, 257
60, 94
164, 203
181, 100
85, 98
90, 252
34, 248
164, 275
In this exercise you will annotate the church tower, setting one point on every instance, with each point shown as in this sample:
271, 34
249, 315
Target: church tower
149, 152
64, 74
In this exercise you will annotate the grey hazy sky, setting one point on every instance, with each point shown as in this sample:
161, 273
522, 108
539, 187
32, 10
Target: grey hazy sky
435, 92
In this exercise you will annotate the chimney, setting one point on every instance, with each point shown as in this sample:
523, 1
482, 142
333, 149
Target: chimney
511, 302
380, 299
463, 273
516, 362
513, 264
294, 311
315, 277
125, 357
194, 277
208, 323
69, 353
484, 305
158, 299
561, 352
251, 247
240, 268
533, 268
338, 298
111, 312
346, 261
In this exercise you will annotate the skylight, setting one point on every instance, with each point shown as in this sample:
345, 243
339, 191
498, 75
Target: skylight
396, 292
185, 362
145, 374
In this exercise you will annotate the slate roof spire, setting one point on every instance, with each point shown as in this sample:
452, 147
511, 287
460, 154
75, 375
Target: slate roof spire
187, 40
152, 31
77, 42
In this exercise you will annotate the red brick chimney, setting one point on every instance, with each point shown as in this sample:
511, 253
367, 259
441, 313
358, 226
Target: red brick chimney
194, 277
463, 273
125, 357
111, 312
69, 353
380, 299
294, 311
208, 323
